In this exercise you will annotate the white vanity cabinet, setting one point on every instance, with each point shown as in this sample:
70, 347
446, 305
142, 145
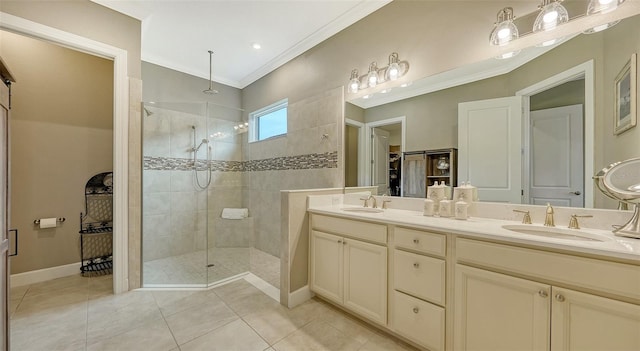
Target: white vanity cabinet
523, 308
348, 271
419, 279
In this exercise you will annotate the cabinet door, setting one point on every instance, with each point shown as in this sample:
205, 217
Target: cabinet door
499, 312
326, 265
586, 322
366, 279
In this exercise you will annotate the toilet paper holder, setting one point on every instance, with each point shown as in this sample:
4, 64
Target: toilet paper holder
59, 220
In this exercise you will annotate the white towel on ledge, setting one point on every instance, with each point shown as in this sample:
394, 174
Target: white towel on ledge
235, 213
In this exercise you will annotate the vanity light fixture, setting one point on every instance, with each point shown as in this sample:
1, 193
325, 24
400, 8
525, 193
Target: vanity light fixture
596, 7
375, 75
505, 30
552, 14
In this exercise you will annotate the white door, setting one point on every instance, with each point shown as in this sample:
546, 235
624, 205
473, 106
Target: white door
557, 157
490, 148
380, 159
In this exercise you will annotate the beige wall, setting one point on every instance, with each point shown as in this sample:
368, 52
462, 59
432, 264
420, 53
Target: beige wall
61, 135
406, 27
570, 93
351, 136
86, 19
93, 21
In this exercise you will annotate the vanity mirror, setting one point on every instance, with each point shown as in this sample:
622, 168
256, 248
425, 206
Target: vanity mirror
578, 72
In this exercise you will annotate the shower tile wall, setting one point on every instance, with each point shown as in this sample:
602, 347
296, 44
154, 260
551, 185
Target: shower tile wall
175, 212
306, 158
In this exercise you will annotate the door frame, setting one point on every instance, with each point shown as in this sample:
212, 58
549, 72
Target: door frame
120, 128
366, 156
585, 70
361, 149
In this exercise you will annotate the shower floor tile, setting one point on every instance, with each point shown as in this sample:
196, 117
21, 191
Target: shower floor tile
191, 268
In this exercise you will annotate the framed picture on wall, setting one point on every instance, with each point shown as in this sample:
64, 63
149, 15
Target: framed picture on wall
625, 97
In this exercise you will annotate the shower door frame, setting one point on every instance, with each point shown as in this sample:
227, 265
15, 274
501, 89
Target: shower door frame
120, 128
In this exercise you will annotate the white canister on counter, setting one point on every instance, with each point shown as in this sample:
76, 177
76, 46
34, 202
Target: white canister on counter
436, 192
445, 208
428, 207
461, 211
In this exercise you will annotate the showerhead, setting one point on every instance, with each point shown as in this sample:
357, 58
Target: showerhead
204, 141
210, 91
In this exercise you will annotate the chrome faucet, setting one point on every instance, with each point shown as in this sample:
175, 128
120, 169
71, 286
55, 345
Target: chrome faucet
548, 218
366, 201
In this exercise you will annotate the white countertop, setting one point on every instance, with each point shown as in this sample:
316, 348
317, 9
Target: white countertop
486, 228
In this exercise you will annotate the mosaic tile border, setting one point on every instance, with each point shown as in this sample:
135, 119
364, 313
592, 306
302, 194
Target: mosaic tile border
298, 162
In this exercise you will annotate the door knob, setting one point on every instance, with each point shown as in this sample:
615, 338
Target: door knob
577, 192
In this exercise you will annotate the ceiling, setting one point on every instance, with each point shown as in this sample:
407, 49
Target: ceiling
178, 34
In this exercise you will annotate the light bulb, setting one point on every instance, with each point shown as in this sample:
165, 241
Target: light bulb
505, 30
393, 71
354, 82
372, 76
551, 15
372, 79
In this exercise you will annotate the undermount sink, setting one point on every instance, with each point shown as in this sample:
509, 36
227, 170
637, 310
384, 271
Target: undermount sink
556, 233
362, 209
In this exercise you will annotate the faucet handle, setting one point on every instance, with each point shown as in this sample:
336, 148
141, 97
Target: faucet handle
384, 204
526, 219
366, 201
573, 222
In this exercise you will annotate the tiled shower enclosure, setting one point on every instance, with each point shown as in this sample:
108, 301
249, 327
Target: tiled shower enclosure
185, 242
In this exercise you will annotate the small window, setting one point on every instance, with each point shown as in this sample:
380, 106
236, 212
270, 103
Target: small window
268, 122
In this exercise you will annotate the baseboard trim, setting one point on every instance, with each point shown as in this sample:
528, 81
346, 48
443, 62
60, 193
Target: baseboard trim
299, 296
44, 274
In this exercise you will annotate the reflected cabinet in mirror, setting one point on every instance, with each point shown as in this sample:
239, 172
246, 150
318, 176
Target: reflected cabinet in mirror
536, 132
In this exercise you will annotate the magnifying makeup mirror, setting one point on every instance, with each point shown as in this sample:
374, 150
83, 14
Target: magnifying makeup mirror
621, 181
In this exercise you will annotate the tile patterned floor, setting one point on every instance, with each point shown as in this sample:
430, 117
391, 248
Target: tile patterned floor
191, 268
78, 313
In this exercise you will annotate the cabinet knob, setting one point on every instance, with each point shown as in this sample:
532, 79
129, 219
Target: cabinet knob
339, 241
416, 241
543, 293
416, 265
416, 310
560, 298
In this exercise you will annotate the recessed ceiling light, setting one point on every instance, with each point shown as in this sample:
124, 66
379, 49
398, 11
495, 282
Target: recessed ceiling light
256, 46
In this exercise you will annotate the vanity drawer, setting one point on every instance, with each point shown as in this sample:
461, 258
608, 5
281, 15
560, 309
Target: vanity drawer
429, 243
356, 229
420, 276
419, 321
593, 274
